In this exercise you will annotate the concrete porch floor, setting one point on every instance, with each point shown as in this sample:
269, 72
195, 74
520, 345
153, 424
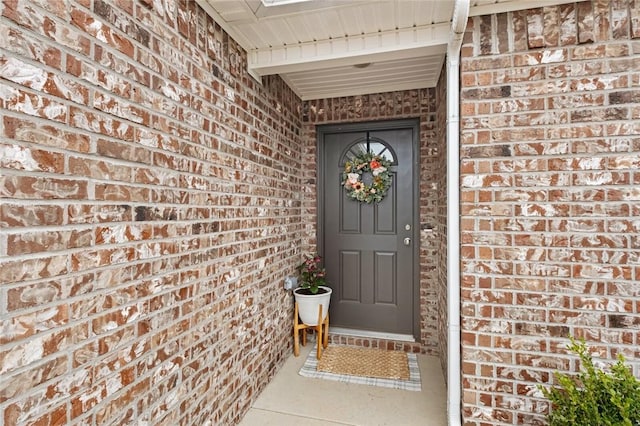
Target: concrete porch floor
291, 399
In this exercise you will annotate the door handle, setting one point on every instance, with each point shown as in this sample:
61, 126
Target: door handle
407, 241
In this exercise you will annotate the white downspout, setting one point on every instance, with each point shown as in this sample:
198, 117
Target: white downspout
454, 389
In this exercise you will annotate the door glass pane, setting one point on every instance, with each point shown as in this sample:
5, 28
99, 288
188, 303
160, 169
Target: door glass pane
381, 150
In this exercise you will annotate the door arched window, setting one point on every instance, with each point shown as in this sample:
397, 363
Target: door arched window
371, 145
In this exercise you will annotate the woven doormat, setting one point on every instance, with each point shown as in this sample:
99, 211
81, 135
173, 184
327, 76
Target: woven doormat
391, 369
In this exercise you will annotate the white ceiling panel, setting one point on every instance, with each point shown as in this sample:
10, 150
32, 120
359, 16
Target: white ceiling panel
413, 73
314, 44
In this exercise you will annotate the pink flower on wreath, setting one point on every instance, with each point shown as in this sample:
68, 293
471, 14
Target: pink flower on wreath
352, 179
378, 170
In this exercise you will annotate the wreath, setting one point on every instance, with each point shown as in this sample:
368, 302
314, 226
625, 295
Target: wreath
352, 177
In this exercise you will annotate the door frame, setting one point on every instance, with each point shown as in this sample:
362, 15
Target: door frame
414, 124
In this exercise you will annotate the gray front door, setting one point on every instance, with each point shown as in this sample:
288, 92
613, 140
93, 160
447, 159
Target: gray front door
370, 249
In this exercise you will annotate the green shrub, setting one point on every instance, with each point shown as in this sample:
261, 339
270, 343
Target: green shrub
594, 397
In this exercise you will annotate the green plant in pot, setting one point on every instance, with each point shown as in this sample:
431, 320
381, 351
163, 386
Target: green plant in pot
312, 276
595, 396
313, 290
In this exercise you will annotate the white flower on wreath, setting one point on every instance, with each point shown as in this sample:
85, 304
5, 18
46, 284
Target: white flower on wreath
353, 178
378, 170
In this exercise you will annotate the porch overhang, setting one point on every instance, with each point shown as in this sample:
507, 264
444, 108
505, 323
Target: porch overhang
334, 48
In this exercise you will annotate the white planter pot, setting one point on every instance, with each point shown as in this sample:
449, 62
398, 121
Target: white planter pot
308, 305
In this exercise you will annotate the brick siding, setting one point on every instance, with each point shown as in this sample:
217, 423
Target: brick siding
387, 106
441, 221
550, 206
150, 211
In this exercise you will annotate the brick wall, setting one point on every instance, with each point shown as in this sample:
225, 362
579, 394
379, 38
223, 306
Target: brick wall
386, 106
441, 220
150, 210
550, 105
